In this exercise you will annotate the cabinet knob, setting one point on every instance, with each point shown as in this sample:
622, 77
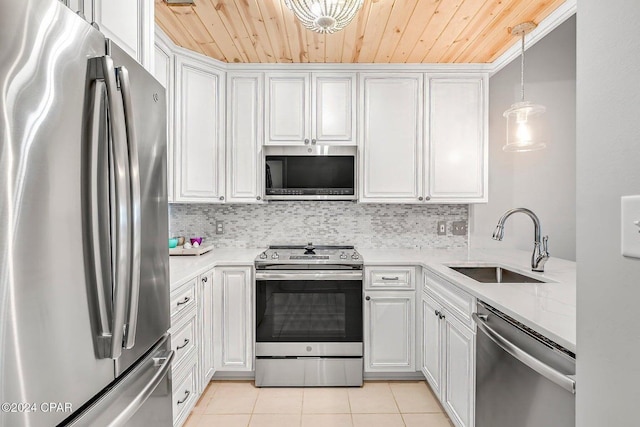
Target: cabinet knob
221, 197
313, 141
428, 198
437, 313
420, 198
367, 298
204, 279
258, 198
306, 140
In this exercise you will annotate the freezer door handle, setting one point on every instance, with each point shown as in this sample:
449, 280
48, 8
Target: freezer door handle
565, 381
136, 224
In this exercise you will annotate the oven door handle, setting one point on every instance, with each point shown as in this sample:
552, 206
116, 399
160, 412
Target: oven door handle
567, 382
309, 275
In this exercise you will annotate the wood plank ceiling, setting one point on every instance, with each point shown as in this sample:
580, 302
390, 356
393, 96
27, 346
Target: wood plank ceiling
384, 31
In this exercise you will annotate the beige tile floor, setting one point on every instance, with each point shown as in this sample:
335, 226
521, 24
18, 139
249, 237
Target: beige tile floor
376, 404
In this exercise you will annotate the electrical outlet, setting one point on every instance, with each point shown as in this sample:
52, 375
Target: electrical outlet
630, 225
219, 227
459, 228
442, 228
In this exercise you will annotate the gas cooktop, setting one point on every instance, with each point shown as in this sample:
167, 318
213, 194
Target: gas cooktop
309, 254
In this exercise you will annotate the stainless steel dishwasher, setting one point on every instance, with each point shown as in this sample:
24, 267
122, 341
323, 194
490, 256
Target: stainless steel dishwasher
522, 378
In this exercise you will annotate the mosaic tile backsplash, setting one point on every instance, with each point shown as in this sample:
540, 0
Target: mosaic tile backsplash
363, 225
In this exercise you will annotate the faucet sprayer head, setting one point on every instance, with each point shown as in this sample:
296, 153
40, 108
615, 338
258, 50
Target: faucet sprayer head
498, 234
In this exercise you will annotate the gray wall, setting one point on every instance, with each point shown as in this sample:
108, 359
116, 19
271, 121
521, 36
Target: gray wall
543, 181
608, 166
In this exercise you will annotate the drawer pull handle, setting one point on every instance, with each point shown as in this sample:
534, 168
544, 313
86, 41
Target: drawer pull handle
184, 301
390, 278
184, 344
184, 399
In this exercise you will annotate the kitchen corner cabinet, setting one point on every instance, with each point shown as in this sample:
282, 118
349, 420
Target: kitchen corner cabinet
244, 137
448, 349
163, 71
233, 305
389, 319
390, 141
457, 138
199, 131
310, 108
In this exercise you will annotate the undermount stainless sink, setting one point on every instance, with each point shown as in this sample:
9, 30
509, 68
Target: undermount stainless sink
495, 274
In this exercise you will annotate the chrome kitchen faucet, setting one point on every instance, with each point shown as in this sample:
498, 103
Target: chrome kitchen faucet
540, 249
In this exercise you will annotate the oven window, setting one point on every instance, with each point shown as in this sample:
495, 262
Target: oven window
309, 311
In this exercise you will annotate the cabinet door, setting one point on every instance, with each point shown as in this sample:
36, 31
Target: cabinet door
207, 341
163, 71
244, 137
234, 303
431, 339
459, 373
457, 139
391, 138
199, 140
287, 108
129, 24
333, 109
389, 332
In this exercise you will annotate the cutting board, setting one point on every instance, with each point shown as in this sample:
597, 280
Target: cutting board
181, 251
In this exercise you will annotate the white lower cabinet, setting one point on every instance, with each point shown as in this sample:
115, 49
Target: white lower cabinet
207, 342
389, 331
448, 358
184, 391
233, 306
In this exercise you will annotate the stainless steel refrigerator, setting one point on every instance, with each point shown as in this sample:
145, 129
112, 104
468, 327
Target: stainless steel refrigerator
84, 276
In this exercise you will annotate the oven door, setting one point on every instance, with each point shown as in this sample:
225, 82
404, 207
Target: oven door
308, 313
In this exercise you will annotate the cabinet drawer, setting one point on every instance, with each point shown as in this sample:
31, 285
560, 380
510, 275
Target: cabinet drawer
183, 338
183, 298
184, 393
457, 301
392, 278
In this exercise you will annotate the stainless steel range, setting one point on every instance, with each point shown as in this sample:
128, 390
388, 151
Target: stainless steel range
309, 316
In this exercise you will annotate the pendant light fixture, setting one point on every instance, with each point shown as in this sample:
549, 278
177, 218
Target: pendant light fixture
525, 120
324, 16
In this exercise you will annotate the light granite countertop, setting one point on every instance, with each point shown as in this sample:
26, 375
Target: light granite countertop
549, 308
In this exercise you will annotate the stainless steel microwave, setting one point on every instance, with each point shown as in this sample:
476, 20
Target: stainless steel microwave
318, 172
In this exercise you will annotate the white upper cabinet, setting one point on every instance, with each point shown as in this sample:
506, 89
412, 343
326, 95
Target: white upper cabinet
199, 144
129, 23
244, 137
163, 70
390, 139
457, 138
305, 108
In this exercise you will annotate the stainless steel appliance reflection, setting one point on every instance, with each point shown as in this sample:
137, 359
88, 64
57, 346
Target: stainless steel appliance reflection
84, 280
522, 378
309, 316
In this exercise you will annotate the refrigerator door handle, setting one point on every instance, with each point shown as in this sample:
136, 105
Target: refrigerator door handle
136, 224
121, 227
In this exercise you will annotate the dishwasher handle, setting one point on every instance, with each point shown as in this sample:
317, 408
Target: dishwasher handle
552, 374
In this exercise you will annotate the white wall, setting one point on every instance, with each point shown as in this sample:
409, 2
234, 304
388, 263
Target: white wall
543, 181
608, 166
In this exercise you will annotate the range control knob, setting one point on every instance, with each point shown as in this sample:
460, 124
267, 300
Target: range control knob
355, 256
343, 255
275, 255
263, 255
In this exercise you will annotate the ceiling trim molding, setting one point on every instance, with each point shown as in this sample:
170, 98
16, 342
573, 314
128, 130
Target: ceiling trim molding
550, 23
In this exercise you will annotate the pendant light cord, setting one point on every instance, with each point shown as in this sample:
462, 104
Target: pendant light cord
522, 69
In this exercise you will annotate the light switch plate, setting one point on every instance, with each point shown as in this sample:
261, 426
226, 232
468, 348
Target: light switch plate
442, 228
630, 208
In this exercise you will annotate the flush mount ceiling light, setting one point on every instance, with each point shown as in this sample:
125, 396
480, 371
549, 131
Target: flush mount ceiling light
324, 16
525, 123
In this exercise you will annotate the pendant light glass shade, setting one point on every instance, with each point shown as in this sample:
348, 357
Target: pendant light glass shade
324, 16
525, 120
